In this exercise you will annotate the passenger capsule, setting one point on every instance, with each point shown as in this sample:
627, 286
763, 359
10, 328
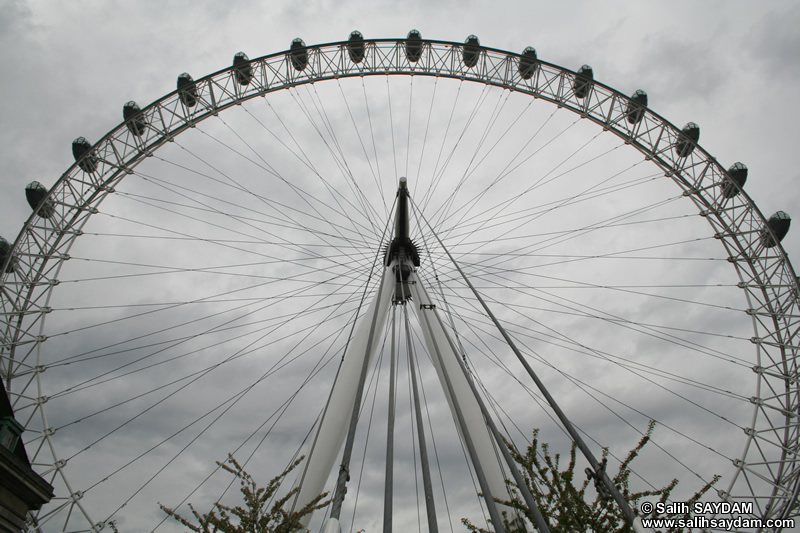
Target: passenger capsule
242, 69
414, 46
738, 175
355, 47
527, 63
636, 106
584, 81
134, 118
687, 140
299, 54
779, 223
81, 151
36, 194
471, 51
187, 90
5, 251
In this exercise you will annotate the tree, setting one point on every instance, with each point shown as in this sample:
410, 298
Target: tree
254, 517
561, 496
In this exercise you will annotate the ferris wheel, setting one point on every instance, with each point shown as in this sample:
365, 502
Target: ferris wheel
292, 254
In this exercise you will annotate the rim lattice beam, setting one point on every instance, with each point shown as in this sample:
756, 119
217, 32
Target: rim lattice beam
770, 452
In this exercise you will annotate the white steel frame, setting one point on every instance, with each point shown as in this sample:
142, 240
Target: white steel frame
333, 426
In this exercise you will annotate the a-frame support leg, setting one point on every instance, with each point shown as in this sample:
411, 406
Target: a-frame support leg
335, 420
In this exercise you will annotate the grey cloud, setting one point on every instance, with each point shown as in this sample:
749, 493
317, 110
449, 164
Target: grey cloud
774, 41
137, 56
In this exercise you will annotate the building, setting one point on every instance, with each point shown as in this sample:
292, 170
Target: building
21, 489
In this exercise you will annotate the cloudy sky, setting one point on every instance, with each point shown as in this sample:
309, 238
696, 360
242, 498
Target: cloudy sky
66, 70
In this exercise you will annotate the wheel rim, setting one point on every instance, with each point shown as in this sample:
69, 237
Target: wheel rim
766, 275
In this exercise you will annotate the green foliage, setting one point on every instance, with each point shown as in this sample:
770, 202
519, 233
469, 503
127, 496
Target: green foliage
254, 517
561, 496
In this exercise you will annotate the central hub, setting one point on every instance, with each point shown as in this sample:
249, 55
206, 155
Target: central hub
402, 249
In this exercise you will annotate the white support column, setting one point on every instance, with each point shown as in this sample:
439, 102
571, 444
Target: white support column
481, 437
335, 420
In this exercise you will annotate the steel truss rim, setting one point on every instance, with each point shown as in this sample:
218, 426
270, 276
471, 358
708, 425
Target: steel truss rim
767, 276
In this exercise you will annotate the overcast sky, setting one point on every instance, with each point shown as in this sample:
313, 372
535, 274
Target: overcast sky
66, 69
728, 66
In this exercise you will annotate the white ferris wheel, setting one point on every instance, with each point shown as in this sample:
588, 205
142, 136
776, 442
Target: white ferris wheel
452, 242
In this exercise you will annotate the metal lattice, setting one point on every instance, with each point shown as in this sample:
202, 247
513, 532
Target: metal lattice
32, 269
